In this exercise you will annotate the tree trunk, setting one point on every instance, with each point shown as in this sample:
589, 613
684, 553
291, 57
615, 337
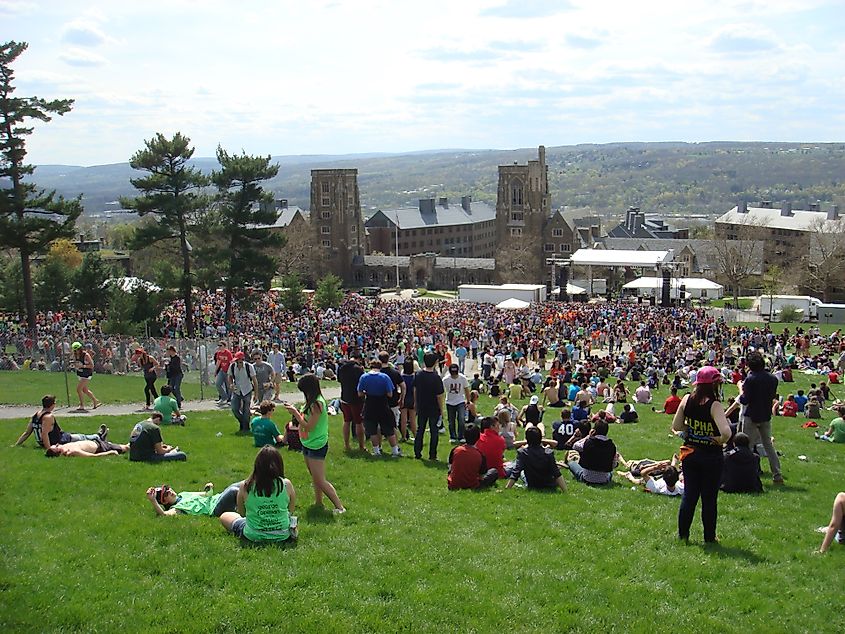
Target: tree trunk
187, 286
228, 303
29, 302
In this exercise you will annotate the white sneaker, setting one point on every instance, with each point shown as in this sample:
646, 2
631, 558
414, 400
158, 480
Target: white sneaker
376, 451
396, 454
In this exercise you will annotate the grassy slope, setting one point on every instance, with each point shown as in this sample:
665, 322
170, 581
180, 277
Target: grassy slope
82, 550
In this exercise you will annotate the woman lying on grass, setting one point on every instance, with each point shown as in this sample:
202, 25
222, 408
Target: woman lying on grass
265, 502
166, 501
837, 523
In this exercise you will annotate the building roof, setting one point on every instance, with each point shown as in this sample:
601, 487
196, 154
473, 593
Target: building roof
451, 214
620, 257
285, 217
770, 217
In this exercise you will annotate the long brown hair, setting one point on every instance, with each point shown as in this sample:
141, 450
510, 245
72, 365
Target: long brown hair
309, 385
267, 472
702, 392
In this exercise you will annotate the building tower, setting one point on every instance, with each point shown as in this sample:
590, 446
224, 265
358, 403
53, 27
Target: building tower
523, 207
336, 221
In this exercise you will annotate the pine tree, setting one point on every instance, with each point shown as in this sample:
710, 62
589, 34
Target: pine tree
30, 218
242, 205
171, 193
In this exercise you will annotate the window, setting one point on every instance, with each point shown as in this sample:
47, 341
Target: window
325, 230
549, 248
517, 216
325, 201
327, 243
324, 187
516, 193
564, 248
557, 233
516, 232
354, 228
326, 215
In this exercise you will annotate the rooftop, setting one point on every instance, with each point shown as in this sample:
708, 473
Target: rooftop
780, 218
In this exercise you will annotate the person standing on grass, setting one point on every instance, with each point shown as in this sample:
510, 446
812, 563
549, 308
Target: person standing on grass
146, 445
149, 366
457, 395
263, 376
407, 418
222, 359
174, 374
376, 388
352, 405
84, 371
277, 360
265, 502
758, 392
47, 431
242, 385
314, 435
428, 404
701, 418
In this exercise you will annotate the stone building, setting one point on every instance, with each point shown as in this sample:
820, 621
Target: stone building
424, 270
336, 222
638, 225
464, 230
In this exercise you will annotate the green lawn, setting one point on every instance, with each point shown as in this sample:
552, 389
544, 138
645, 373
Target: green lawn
83, 551
27, 388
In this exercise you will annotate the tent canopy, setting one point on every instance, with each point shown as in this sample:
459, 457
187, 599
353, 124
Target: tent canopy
512, 304
621, 257
571, 289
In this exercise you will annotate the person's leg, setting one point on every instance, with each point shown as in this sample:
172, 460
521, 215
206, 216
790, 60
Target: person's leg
461, 411
347, 421
228, 520
711, 477
689, 500
79, 393
452, 412
765, 430
317, 468
489, 479
420, 435
412, 421
176, 384
78, 437
576, 469
227, 502
171, 456
246, 399
235, 407
836, 522
403, 423
220, 384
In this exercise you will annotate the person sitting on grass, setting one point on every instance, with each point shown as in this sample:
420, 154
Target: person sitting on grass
167, 502
265, 502
536, 464
836, 431
670, 405
468, 466
507, 428
87, 448
741, 468
837, 524
145, 444
789, 407
597, 458
629, 414
264, 430
168, 407
492, 445
814, 408
47, 431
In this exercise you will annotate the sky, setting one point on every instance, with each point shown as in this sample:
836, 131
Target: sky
349, 76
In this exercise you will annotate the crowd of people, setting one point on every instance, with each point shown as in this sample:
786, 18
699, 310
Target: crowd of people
404, 368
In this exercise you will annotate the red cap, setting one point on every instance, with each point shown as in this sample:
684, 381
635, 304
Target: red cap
708, 374
239, 356
139, 351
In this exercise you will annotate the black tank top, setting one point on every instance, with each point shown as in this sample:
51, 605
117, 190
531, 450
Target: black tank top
55, 435
700, 425
532, 414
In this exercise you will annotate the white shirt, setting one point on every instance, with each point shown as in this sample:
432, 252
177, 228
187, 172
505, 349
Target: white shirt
277, 360
241, 377
659, 487
455, 388
643, 394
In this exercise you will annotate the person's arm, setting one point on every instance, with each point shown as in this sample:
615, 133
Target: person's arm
78, 453
313, 417
151, 496
679, 422
560, 482
291, 495
718, 414
26, 434
466, 393
47, 422
161, 449
240, 504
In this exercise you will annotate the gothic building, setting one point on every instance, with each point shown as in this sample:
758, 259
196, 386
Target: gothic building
336, 221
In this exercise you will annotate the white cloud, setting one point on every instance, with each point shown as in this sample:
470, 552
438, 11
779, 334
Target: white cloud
13, 8
80, 57
81, 32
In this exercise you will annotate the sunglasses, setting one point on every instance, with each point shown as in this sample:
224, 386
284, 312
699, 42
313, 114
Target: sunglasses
161, 492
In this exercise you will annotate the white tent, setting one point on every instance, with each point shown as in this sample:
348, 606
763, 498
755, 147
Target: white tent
621, 257
571, 289
696, 287
512, 304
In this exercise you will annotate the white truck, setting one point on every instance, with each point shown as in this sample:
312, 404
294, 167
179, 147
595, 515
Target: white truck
771, 305
493, 294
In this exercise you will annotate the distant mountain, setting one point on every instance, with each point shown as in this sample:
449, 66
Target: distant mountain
668, 178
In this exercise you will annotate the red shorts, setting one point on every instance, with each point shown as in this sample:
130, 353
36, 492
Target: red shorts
352, 412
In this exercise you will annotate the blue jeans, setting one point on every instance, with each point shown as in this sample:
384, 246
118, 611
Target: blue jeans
175, 383
222, 386
78, 437
429, 420
240, 408
459, 411
228, 500
578, 472
702, 476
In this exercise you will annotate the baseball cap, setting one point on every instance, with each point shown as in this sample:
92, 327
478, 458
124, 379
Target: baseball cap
453, 367
239, 355
708, 374
534, 400
76, 345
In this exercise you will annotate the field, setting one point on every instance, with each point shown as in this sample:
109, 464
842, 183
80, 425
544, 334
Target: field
83, 550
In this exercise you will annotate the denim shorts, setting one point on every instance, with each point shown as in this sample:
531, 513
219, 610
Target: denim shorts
238, 526
316, 454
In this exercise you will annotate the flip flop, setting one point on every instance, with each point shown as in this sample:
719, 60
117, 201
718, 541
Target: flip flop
96, 405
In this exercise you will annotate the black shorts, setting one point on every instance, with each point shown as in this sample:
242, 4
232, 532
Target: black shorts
386, 425
84, 373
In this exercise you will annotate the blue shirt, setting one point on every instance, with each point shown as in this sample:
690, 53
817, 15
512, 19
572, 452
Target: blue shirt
375, 384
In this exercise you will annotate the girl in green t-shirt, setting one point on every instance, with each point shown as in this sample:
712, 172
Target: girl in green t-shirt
265, 502
314, 434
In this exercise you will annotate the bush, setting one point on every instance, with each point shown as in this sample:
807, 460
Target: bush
789, 313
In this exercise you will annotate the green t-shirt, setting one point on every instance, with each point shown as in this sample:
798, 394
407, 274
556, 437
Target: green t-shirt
143, 439
838, 425
191, 503
267, 518
318, 436
264, 431
167, 405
